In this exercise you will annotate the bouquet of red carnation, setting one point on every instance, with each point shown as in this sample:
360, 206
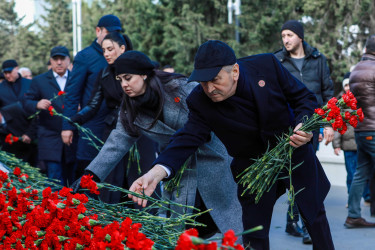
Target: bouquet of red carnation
11, 138
264, 172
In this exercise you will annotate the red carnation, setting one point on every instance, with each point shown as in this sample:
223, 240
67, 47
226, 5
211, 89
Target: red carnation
360, 114
51, 110
353, 121
87, 182
320, 112
332, 102
61, 93
347, 115
229, 238
17, 171
346, 99
353, 104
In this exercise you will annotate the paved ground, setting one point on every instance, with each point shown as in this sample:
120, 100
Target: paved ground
344, 239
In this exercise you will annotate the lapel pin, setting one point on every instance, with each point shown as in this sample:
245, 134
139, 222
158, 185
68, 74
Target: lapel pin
177, 99
261, 83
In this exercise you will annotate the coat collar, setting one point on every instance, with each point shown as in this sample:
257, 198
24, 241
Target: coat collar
171, 112
52, 80
283, 54
366, 57
23, 87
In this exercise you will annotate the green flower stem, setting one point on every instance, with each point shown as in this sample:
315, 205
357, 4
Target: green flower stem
51, 100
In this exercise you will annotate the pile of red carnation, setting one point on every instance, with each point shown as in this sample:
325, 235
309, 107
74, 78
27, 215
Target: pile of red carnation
332, 112
58, 220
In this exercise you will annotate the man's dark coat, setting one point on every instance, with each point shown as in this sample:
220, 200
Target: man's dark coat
249, 121
11, 108
50, 145
86, 66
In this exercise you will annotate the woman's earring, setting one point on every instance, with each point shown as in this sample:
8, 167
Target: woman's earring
144, 79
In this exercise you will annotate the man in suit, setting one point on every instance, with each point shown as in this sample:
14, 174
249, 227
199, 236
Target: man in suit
86, 66
247, 103
12, 90
59, 158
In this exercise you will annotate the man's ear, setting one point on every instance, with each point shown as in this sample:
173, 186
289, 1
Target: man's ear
235, 72
97, 30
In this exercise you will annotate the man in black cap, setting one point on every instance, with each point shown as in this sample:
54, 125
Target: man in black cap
12, 90
87, 64
309, 66
58, 158
248, 103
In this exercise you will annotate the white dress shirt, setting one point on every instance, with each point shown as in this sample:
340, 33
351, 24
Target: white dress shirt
61, 80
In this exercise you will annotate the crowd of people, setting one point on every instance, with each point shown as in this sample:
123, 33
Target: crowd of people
211, 125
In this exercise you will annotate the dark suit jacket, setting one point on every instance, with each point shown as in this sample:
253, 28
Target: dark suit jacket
11, 108
250, 120
87, 64
50, 145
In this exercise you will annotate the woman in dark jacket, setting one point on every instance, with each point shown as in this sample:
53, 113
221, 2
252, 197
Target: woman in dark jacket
108, 89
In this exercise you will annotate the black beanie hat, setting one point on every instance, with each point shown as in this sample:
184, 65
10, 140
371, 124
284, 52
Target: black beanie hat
133, 62
294, 26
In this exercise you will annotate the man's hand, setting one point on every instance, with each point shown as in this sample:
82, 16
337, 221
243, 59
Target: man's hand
26, 139
337, 151
299, 138
146, 184
67, 136
328, 134
43, 104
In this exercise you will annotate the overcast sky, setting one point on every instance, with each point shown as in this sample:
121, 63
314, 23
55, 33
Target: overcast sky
27, 8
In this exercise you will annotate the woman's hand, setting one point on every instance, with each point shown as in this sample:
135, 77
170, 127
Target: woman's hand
146, 184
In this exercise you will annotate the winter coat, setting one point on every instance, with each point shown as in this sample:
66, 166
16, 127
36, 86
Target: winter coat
12, 111
314, 73
362, 85
86, 66
50, 144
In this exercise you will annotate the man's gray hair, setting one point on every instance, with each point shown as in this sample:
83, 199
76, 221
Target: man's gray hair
228, 68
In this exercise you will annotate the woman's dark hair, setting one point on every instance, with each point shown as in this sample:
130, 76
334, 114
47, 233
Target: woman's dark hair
154, 86
120, 40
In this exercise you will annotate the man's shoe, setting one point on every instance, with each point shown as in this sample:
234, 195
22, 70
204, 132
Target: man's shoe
306, 237
292, 228
357, 223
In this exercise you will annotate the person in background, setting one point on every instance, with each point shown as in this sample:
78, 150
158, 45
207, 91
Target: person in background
346, 143
362, 85
309, 66
86, 66
108, 89
25, 73
58, 157
168, 68
12, 91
